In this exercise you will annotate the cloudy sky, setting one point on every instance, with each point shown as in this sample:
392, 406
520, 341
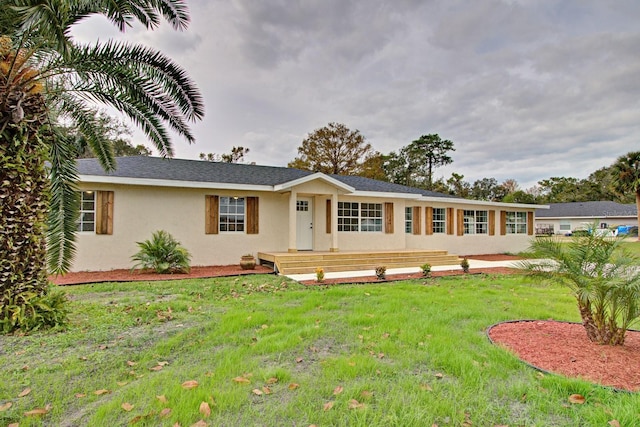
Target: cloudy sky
526, 89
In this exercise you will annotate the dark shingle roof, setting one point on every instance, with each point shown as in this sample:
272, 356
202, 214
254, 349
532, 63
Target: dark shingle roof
367, 184
587, 209
192, 171
229, 173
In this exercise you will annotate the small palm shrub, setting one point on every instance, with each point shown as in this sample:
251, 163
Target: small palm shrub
603, 276
163, 254
381, 272
464, 264
29, 311
426, 269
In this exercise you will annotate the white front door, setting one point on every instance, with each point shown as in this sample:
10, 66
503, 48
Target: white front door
304, 224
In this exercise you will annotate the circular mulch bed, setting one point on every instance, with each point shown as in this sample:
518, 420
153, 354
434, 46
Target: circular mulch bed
563, 348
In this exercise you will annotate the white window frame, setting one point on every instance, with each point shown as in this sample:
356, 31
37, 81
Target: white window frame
360, 217
439, 220
232, 214
476, 222
87, 220
408, 220
516, 222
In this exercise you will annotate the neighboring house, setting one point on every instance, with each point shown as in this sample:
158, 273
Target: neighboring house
220, 211
563, 218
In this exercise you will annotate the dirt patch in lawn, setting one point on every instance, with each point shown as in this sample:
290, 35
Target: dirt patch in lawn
563, 348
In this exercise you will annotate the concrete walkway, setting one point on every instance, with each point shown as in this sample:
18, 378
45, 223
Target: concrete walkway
473, 263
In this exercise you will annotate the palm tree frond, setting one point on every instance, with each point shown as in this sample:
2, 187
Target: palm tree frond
64, 205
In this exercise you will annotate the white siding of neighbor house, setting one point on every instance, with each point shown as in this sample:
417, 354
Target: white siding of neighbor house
584, 222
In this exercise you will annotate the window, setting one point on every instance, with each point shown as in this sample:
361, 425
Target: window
302, 206
408, 220
565, 225
439, 220
231, 214
87, 220
516, 223
475, 222
359, 216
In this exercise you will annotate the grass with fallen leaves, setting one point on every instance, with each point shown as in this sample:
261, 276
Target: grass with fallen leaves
265, 351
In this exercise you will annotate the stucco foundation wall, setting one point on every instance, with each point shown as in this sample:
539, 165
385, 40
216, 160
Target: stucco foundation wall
139, 211
471, 244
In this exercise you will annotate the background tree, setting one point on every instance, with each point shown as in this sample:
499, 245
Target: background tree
116, 132
373, 167
520, 196
458, 186
397, 168
626, 172
236, 155
488, 189
333, 149
427, 153
45, 76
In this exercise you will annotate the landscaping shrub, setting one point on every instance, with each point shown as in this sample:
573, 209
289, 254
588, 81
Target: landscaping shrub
603, 276
29, 311
163, 254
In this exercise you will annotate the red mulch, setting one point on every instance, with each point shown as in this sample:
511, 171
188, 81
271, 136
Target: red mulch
124, 275
137, 275
563, 348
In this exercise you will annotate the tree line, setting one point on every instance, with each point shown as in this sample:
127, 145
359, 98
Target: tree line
335, 149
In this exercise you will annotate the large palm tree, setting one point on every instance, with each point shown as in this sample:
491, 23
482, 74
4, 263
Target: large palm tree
626, 177
46, 77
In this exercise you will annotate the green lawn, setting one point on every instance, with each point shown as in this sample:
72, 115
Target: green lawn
265, 351
633, 245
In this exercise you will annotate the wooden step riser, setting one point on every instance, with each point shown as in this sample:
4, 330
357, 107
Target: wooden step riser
441, 260
307, 269
362, 267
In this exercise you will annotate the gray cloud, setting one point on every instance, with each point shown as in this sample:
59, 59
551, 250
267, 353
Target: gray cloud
526, 89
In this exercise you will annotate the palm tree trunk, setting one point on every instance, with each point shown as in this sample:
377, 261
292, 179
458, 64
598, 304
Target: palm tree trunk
23, 209
600, 331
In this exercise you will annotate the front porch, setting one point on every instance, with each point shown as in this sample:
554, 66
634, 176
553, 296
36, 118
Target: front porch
306, 262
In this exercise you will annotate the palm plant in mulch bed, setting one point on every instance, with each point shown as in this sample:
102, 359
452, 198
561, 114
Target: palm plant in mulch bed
603, 276
163, 254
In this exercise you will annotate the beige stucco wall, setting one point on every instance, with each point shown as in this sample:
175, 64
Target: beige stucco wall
469, 244
139, 211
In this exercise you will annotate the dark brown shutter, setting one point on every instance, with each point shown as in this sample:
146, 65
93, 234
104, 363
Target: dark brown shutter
530, 223
450, 221
428, 220
104, 212
417, 220
211, 212
328, 221
492, 223
253, 215
388, 218
460, 224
